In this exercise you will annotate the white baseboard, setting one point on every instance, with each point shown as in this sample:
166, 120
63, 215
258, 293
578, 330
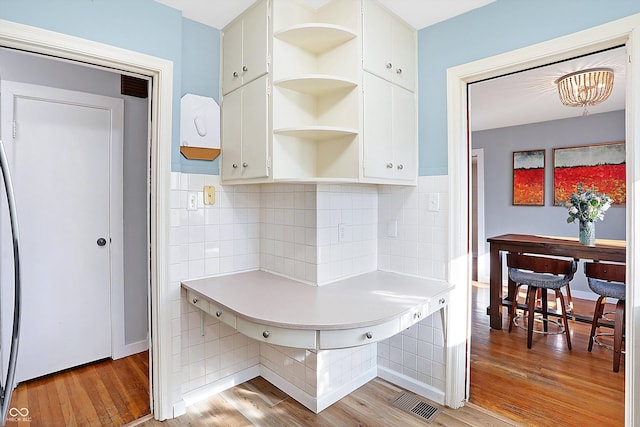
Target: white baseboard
208, 390
316, 403
411, 384
130, 349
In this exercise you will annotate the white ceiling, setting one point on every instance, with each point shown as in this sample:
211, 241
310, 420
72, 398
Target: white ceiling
531, 96
526, 97
418, 13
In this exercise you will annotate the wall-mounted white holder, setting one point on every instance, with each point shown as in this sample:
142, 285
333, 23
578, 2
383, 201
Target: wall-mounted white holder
199, 127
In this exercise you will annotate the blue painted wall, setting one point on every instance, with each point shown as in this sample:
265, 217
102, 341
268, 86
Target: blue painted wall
499, 27
152, 28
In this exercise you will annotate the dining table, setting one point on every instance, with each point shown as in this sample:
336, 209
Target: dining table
604, 250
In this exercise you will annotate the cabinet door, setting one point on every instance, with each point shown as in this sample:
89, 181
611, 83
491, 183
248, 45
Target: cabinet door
231, 135
255, 43
376, 41
404, 53
255, 127
232, 57
378, 157
405, 151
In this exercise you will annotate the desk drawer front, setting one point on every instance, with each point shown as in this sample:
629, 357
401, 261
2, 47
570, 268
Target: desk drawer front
358, 336
222, 315
300, 338
414, 316
198, 301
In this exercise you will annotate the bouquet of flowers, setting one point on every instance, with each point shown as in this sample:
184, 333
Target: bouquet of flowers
587, 205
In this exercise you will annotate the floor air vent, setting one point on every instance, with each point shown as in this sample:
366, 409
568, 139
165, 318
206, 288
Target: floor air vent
415, 406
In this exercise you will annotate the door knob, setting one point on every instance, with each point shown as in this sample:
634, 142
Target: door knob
101, 241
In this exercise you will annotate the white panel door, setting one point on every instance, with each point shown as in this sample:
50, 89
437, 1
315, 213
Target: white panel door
60, 157
378, 127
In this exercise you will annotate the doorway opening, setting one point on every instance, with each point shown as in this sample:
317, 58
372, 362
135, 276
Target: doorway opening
605, 36
160, 74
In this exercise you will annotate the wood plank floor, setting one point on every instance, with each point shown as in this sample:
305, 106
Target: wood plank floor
547, 385
104, 393
258, 403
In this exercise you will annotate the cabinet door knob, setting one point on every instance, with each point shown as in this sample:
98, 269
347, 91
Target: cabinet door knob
218, 313
235, 166
244, 68
399, 71
400, 167
389, 165
266, 334
235, 74
244, 165
389, 65
369, 335
195, 300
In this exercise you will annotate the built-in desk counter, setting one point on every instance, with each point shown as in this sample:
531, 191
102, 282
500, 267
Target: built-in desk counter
347, 313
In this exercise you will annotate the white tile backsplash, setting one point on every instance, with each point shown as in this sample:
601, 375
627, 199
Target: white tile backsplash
293, 229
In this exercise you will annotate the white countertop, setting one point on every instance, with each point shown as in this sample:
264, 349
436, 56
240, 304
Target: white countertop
364, 300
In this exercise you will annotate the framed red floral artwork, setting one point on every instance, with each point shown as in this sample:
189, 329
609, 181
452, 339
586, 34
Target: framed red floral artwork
528, 178
601, 166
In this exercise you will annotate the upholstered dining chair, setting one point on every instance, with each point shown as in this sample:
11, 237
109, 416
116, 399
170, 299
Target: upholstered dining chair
608, 281
542, 273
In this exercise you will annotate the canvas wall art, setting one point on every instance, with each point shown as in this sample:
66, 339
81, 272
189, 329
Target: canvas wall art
602, 166
528, 178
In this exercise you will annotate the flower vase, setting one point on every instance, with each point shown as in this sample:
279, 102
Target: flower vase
588, 233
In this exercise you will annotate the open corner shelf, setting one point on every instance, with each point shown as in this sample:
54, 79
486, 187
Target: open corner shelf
316, 37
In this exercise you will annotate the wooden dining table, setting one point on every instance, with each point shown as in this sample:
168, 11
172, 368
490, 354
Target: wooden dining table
604, 250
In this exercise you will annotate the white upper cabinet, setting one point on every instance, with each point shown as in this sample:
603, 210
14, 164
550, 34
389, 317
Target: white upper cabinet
245, 114
389, 46
245, 48
390, 150
313, 127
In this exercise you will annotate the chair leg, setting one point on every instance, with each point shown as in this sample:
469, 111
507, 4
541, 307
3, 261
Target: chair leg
617, 335
569, 299
545, 309
564, 317
531, 299
597, 314
514, 306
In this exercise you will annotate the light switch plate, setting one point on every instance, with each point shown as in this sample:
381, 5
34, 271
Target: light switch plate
434, 202
209, 194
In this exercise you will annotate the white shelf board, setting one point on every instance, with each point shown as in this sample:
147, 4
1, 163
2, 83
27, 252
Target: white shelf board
316, 132
316, 37
316, 84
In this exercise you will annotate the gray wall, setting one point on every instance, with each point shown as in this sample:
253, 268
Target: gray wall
27, 68
499, 144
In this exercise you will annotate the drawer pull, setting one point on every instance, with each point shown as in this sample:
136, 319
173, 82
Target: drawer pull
195, 300
417, 315
442, 301
369, 335
218, 313
266, 334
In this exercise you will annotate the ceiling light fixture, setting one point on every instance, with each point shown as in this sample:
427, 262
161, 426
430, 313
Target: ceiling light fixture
585, 88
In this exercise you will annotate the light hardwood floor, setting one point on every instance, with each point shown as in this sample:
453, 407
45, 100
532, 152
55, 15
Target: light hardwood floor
104, 393
510, 385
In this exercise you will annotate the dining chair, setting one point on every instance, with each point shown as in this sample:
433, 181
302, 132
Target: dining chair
545, 274
608, 281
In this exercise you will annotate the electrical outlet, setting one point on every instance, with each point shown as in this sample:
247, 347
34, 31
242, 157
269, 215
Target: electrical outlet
209, 194
434, 202
192, 201
342, 232
392, 228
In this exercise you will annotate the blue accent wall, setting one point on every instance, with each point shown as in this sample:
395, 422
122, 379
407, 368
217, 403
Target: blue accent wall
149, 27
499, 27
200, 76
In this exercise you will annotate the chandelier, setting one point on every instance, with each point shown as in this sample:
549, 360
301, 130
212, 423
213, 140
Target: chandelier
585, 88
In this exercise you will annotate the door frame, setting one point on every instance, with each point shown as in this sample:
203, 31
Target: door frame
623, 31
162, 297
115, 106
483, 252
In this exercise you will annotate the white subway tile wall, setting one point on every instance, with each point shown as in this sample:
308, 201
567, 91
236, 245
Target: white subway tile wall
418, 218
313, 233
